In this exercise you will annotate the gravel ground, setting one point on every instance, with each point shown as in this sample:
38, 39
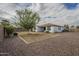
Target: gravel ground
67, 44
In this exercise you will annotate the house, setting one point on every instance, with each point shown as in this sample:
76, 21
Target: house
49, 27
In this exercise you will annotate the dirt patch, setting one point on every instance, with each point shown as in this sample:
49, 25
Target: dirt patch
34, 36
67, 44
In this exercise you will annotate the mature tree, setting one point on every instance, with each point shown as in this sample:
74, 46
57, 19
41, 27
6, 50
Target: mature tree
27, 18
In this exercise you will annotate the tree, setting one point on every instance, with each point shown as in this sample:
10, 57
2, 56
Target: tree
8, 28
66, 28
27, 19
77, 27
72, 28
4, 23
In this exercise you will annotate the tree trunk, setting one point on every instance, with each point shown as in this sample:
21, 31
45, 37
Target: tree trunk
4, 32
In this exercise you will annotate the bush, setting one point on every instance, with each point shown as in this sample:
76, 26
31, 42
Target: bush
65, 30
9, 30
15, 34
47, 31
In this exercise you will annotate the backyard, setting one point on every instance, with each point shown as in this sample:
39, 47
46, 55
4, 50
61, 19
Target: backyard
65, 44
29, 35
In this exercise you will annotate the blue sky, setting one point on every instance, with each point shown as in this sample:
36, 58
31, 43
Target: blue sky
71, 6
7, 10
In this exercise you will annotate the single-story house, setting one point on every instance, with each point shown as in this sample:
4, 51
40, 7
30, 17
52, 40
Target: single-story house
49, 27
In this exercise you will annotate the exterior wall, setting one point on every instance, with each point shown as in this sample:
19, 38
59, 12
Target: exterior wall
56, 29
59, 29
62, 28
52, 29
39, 29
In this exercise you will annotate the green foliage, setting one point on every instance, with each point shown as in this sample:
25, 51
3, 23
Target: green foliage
27, 18
66, 28
72, 28
47, 31
77, 27
4, 23
9, 29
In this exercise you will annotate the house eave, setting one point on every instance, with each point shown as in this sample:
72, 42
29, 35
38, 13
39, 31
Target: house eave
48, 25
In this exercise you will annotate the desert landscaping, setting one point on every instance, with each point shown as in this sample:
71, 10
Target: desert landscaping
40, 33
64, 44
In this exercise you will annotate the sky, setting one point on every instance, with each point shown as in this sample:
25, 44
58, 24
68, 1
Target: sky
71, 6
57, 13
7, 10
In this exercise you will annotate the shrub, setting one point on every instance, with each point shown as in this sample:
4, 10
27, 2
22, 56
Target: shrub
47, 31
15, 34
65, 30
9, 30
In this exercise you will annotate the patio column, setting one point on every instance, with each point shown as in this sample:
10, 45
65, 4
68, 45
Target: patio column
46, 28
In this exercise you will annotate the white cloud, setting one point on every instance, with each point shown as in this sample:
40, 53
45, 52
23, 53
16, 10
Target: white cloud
7, 10
63, 15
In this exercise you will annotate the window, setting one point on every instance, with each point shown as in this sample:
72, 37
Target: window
59, 28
